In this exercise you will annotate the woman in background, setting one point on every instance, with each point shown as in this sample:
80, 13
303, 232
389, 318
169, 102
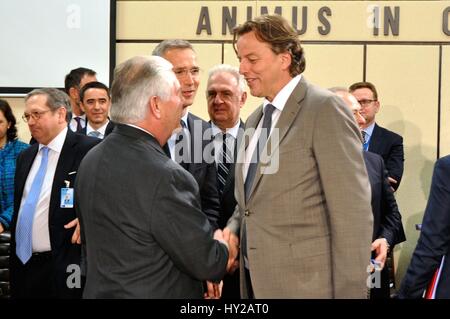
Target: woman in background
10, 147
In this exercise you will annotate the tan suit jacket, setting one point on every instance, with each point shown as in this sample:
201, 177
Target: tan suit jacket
309, 225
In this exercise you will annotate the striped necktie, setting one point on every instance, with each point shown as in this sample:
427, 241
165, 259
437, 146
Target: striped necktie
224, 164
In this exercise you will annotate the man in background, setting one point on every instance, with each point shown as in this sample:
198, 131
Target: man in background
187, 144
377, 139
226, 96
73, 83
45, 230
95, 103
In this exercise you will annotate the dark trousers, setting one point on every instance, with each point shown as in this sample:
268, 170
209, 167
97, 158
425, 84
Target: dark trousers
35, 279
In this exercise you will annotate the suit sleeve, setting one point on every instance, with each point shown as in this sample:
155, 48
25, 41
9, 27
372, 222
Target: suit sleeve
391, 222
183, 231
434, 240
337, 149
394, 163
210, 196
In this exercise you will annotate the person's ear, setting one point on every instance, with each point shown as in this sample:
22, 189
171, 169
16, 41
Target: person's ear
154, 105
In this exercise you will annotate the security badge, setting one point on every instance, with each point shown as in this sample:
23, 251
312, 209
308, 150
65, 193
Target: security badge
67, 196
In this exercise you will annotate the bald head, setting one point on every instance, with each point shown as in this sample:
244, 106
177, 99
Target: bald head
351, 102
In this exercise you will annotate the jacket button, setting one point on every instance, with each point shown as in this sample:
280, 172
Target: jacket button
246, 213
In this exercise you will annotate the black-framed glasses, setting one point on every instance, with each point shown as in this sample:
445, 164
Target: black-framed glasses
365, 102
36, 115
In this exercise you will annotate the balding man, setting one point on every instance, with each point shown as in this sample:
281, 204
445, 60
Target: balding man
140, 212
387, 221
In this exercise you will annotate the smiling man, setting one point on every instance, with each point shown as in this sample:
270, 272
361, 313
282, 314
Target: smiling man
301, 235
96, 102
187, 145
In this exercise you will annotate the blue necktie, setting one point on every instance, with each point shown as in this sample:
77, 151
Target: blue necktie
94, 134
25, 223
365, 137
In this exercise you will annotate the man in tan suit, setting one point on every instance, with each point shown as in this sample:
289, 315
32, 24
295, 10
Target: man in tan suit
302, 235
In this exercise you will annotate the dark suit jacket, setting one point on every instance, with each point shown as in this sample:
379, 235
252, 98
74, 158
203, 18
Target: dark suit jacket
227, 205
390, 146
434, 240
387, 221
204, 171
109, 129
141, 221
64, 252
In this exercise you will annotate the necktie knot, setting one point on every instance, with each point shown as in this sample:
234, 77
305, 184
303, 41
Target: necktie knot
94, 134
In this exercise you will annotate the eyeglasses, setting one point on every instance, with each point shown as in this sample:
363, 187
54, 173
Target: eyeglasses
365, 102
184, 72
36, 115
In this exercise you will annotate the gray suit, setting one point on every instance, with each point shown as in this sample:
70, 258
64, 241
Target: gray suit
144, 232
306, 236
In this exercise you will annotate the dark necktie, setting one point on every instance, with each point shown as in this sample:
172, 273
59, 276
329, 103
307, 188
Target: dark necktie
223, 167
79, 127
262, 139
181, 146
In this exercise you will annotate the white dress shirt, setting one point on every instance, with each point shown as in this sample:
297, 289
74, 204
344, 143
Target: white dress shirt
73, 122
41, 236
171, 141
231, 142
101, 129
278, 102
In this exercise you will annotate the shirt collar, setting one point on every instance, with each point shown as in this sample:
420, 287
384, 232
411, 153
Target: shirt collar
101, 129
83, 116
369, 129
281, 98
57, 143
184, 119
233, 131
139, 128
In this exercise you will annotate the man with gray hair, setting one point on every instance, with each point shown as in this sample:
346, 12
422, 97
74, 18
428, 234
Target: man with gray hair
140, 213
44, 242
226, 95
189, 146
387, 221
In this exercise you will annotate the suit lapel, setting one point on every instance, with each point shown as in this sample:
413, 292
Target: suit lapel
375, 140
252, 122
285, 121
65, 163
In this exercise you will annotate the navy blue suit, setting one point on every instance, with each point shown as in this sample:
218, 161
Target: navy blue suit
434, 240
387, 221
390, 146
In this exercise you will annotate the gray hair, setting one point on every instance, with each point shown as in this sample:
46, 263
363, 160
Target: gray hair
336, 89
166, 45
234, 71
135, 82
55, 98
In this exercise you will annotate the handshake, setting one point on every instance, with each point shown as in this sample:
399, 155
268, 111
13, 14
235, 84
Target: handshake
229, 239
